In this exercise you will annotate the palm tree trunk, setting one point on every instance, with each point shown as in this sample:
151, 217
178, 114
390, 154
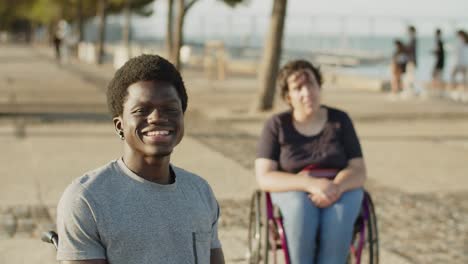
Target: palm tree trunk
271, 57
169, 28
80, 20
178, 39
101, 30
30, 28
127, 26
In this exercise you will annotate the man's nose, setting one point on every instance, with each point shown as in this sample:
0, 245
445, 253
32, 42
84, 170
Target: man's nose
155, 115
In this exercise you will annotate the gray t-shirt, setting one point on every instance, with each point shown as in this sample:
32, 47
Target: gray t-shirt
111, 213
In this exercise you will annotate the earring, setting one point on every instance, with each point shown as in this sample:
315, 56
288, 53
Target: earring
121, 134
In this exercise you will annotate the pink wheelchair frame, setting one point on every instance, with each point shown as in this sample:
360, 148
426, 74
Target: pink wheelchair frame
267, 235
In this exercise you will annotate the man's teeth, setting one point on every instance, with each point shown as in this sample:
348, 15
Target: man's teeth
158, 133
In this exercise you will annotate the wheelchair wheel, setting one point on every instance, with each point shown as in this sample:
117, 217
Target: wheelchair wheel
258, 235
365, 244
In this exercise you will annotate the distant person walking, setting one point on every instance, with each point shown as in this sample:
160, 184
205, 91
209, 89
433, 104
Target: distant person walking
58, 37
398, 67
461, 62
411, 47
64, 34
439, 53
411, 51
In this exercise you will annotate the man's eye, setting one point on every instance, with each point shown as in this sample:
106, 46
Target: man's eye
170, 110
140, 111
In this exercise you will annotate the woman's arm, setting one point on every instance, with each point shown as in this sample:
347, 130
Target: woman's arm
323, 192
351, 177
271, 180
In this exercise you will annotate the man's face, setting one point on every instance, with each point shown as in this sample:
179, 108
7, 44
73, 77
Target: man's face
152, 119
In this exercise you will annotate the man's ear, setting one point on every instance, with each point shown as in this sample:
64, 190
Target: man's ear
118, 124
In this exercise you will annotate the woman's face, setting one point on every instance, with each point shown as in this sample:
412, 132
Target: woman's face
303, 92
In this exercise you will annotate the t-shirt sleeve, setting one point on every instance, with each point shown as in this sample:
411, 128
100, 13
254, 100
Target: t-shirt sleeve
268, 145
215, 242
215, 214
76, 227
352, 146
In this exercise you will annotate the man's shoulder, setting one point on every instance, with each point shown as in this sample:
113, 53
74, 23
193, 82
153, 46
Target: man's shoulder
87, 188
189, 177
198, 187
94, 178
197, 183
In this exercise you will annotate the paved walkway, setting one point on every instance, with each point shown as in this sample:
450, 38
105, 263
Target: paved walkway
417, 146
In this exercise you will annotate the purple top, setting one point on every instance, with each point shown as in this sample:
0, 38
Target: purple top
332, 148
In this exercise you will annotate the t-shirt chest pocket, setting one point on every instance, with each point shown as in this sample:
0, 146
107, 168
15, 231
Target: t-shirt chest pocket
200, 217
201, 242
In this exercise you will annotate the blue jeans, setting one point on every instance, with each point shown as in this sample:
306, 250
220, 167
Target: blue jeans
302, 219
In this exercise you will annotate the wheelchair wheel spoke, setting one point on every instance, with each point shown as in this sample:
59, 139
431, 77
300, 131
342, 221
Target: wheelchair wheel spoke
365, 233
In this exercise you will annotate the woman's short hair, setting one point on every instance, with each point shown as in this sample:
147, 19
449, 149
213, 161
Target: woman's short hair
143, 68
292, 67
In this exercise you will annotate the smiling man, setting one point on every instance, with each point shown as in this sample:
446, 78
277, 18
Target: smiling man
140, 208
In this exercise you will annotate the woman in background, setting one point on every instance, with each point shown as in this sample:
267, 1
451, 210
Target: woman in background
310, 159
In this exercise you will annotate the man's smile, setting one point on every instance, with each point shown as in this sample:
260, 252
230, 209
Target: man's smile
158, 135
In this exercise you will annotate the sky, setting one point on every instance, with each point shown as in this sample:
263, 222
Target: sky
364, 17
418, 8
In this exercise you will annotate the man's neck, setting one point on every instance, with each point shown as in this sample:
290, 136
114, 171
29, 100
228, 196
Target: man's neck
154, 169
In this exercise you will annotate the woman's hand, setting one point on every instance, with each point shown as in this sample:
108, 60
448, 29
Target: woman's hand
320, 201
323, 192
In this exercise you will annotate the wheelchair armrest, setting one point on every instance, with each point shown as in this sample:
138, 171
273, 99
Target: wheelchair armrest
50, 237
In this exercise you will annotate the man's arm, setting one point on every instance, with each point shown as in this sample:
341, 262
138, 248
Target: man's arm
89, 261
79, 239
216, 257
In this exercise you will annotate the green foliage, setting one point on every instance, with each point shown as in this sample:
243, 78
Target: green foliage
232, 3
11, 10
140, 7
44, 11
49, 11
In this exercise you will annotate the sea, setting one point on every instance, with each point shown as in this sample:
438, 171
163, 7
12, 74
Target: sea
247, 41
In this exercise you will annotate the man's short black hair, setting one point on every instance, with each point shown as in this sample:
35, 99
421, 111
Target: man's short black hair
143, 68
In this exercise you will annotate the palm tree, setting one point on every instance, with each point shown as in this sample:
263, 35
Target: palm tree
169, 28
178, 39
271, 57
181, 9
102, 14
127, 26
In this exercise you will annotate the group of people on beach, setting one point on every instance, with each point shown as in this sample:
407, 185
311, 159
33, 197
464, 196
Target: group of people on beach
141, 208
404, 63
